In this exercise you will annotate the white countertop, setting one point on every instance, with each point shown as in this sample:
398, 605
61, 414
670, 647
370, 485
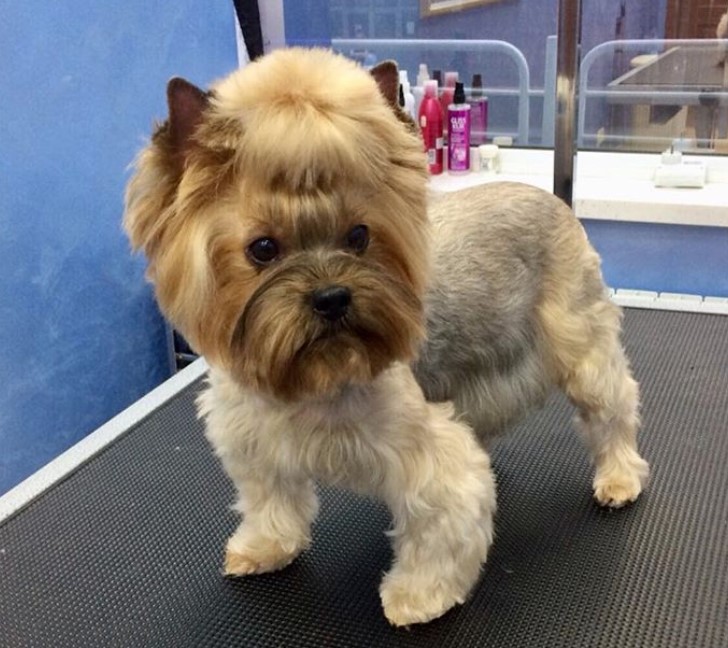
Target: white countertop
613, 186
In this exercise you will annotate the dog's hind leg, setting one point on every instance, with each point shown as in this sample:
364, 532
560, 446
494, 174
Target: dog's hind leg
591, 367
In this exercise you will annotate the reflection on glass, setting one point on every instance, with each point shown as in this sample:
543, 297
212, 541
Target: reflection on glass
651, 94
652, 72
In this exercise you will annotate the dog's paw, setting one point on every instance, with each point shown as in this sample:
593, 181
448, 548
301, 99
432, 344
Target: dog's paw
406, 602
618, 487
246, 560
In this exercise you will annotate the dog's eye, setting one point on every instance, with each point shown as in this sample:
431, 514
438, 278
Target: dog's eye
357, 239
263, 251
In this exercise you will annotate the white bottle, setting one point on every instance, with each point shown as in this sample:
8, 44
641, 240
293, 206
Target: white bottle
489, 158
423, 76
409, 99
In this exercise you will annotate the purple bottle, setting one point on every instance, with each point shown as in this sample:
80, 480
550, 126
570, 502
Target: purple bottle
479, 112
458, 130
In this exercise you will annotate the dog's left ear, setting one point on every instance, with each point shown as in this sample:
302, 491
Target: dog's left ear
186, 106
386, 75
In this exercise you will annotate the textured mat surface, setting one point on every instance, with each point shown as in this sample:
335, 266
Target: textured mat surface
127, 550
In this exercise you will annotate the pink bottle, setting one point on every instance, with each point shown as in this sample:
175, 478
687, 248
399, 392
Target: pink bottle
431, 124
448, 92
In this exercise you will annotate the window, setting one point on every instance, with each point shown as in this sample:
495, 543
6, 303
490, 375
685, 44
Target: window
652, 73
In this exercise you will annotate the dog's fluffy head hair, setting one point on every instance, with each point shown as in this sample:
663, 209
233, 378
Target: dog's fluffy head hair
291, 176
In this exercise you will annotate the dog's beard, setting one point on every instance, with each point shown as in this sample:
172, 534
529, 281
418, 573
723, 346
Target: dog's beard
282, 347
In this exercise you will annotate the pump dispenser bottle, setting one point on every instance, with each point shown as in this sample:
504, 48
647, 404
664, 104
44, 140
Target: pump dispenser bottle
458, 126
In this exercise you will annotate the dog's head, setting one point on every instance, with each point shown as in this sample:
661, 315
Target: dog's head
283, 217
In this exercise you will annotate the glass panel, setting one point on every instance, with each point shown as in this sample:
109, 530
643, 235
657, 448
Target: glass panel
641, 91
510, 45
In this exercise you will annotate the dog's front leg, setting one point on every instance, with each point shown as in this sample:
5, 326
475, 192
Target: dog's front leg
277, 516
443, 503
276, 499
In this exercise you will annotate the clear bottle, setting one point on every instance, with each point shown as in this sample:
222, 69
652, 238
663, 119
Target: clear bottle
446, 98
479, 111
419, 90
409, 98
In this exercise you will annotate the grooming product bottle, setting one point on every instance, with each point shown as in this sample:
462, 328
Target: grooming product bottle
419, 90
458, 127
478, 111
448, 92
430, 120
409, 98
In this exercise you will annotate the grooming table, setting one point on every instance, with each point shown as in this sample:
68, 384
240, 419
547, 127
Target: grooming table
126, 550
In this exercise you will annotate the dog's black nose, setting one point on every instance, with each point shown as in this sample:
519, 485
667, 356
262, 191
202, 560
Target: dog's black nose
331, 302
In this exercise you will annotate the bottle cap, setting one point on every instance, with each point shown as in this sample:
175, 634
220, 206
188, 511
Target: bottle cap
459, 96
422, 75
404, 80
401, 96
488, 150
431, 88
450, 79
477, 85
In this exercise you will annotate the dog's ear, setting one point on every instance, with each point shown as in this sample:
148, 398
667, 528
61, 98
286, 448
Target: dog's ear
186, 104
151, 189
386, 75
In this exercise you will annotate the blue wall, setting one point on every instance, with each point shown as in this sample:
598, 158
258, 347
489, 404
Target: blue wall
80, 337
665, 258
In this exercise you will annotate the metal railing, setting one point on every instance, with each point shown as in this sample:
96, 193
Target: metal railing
389, 48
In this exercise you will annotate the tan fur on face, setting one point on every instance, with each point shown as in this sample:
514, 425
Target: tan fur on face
280, 344
299, 146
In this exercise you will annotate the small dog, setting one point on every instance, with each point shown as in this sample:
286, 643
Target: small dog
357, 334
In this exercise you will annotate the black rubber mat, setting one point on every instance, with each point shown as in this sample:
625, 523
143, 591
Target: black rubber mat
127, 550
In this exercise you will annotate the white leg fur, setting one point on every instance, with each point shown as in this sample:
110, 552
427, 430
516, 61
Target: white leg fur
278, 503
595, 375
607, 396
443, 525
582, 334
276, 525
383, 439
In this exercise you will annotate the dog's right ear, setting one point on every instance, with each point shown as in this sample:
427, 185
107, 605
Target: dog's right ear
186, 104
151, 190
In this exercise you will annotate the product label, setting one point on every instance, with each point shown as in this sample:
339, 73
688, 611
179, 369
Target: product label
459, 141
434, 155
458, 123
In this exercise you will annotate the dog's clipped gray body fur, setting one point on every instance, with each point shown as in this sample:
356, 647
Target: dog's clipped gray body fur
493, 245
517, 306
